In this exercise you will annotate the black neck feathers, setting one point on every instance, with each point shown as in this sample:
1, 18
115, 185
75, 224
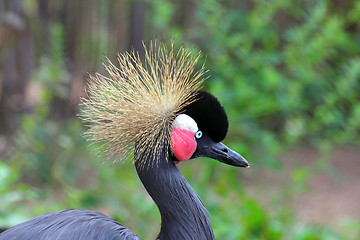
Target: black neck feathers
183, 215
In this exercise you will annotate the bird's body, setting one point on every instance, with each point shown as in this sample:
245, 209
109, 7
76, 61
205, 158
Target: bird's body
158, 112
71, 225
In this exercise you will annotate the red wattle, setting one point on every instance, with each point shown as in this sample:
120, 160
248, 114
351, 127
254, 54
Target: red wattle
183, 143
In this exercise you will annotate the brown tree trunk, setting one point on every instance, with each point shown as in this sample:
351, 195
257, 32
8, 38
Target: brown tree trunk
137, 29
15, 62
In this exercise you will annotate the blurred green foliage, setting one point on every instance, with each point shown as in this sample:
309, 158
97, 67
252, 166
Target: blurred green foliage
297, 84
282, 84
12, 192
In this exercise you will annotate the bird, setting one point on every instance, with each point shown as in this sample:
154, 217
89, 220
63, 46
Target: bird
150, 108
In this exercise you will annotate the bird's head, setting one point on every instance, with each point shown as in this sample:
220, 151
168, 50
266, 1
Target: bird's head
147, 106
198, 132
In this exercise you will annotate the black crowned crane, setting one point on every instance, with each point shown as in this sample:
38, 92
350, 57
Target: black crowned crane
156, 110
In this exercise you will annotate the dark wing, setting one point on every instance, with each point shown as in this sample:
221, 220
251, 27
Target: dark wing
70, 225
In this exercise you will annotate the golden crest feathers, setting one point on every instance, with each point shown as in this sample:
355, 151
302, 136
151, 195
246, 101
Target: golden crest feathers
138, 102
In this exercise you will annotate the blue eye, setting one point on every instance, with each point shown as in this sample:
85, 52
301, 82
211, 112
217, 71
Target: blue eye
198, 134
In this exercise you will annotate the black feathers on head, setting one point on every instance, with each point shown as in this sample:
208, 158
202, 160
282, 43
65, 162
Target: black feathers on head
209, 115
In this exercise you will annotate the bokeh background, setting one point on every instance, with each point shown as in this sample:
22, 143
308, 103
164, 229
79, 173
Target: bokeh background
287, 72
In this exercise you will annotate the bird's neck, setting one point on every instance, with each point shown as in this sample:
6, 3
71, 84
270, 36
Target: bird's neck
183, 215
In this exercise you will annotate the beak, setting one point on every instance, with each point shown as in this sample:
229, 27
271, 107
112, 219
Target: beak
206, 147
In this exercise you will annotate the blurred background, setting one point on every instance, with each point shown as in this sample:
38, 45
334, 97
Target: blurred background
287, 73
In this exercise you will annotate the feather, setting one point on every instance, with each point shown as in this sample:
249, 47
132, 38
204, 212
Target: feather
139, 100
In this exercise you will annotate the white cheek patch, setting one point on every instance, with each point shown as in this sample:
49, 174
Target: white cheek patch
185, 122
